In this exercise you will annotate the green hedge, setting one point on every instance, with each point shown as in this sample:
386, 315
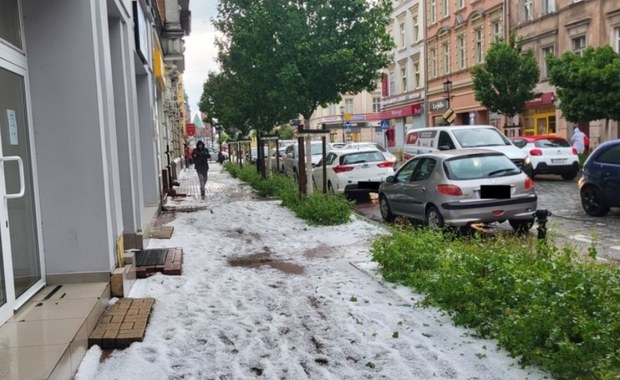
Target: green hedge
316, 209
548, 306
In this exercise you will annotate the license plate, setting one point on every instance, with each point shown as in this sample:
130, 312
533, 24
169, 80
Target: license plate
495, 191
558, 160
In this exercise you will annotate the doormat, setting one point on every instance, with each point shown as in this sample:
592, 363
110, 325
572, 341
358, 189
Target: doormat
149, 257
162, 232
168, 261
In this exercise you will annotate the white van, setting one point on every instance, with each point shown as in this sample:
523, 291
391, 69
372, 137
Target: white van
424, 140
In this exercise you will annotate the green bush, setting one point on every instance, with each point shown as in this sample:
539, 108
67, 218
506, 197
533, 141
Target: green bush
316, 209
548, 306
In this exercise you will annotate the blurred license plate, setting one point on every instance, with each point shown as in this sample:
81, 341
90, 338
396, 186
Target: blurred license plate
495, 191
558, 160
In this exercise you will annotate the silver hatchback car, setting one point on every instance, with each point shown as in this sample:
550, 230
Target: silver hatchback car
458, 188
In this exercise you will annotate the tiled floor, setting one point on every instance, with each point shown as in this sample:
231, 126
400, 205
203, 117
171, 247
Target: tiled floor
48, 337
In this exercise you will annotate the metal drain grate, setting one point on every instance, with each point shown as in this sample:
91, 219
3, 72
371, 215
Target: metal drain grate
149, 257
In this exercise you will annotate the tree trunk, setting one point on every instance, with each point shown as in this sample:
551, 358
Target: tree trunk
308, 141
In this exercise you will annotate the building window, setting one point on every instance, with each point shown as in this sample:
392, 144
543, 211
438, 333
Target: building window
402, 34
392, 83
332, 109
461, 56
376, 104
617, 30
416, 29
446, 11
478, 46
433, 62
460, 4
578, 44
527, 10
403, 77
446, 58
432, 9
348, 105
548, 6
416, 75
496, 29
544, 68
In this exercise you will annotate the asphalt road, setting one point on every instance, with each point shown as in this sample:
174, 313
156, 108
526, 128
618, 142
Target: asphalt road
568, 223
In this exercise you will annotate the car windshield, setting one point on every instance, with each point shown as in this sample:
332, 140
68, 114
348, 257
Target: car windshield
360, 158
551, 143
317, 149
477, 137
480, 166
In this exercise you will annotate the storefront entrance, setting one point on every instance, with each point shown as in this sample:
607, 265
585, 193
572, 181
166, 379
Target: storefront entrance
20, 259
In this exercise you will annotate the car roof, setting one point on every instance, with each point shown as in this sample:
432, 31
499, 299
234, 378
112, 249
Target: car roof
449, 127
342, 152
445, 154
537, 137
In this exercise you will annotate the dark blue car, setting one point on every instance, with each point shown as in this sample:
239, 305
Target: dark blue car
600, 183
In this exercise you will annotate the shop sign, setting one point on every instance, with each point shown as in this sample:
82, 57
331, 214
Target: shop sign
410, 110
438, 105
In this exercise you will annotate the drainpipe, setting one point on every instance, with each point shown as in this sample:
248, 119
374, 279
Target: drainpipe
425, 60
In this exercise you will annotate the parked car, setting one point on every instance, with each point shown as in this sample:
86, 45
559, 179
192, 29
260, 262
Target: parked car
425, 140
291, 157
600, 183
458, 188
253, 154
353, 171
362, 145
548, 154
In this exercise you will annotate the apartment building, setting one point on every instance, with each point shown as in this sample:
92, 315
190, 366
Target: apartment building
458, 35
555, 27
403, 84
356, 118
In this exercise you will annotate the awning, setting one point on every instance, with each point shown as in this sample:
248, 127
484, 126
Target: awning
545, 99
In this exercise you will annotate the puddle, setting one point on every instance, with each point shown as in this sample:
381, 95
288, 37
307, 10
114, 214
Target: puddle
264, 258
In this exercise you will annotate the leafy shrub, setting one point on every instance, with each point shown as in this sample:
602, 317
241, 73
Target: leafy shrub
316, 209
549, 306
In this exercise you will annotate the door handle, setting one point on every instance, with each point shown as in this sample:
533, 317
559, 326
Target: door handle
22, 185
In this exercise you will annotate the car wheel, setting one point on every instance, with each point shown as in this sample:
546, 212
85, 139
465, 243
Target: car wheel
521, 226
569, 176
592, 201
434, 219
384, 207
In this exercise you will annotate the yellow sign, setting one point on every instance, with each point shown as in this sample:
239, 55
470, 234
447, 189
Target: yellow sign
347, 116
449, 115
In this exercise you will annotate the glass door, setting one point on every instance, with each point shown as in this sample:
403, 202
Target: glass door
20, 261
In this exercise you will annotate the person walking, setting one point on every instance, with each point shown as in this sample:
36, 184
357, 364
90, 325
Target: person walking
201, 158
579, 143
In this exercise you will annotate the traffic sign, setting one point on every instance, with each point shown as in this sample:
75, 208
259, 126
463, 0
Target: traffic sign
347, 125
449, 115
347, 116
385, 125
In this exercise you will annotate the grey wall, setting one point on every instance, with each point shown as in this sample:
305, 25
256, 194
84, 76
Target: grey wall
69, 115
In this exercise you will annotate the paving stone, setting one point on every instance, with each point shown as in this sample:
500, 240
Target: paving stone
122, 323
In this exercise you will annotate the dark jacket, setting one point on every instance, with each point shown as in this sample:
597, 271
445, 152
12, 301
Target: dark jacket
201, 158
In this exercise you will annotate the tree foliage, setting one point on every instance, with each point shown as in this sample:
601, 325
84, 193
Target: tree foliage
507, 78
588, 84
285, 58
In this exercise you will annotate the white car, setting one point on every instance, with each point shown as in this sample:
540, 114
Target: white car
353, 171
363, 145
291, 157
549, 154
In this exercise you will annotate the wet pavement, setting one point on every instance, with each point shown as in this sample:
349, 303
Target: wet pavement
568, 223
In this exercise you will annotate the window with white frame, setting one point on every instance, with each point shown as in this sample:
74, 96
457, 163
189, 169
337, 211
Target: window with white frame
460, 4
548, 6
578, 44
446, 11
544, 68
496, 29
527, 10
376, 104
446, 58
416, 75
433, 53
403, 78
332, 109
617, 43
416, 29
348, 105
402, 33
460, 54
478, 46
433, 9
392, 83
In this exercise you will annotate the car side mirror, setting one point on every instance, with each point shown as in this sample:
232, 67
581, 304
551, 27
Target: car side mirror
390, 179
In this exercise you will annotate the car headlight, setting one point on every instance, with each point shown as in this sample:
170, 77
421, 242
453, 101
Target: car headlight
527, 160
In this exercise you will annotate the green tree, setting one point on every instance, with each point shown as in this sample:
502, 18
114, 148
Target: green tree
286, 132
588, 84
507, 78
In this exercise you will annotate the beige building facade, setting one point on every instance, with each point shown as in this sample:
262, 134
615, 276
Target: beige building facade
555, 27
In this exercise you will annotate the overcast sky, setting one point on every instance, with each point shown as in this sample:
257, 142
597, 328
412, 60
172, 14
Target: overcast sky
199, 49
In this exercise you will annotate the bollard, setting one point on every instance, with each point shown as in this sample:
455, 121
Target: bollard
541, 219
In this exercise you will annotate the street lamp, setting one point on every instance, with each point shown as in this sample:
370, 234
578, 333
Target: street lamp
447, 87
342, 120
